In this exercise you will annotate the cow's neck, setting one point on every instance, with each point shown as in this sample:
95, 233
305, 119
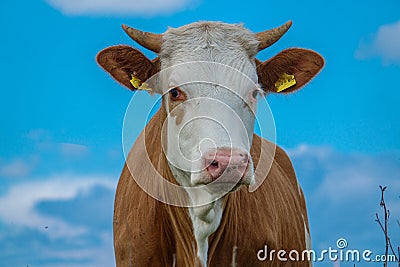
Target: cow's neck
193, 226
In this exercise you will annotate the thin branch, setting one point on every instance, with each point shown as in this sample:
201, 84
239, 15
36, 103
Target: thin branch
384, 227
383, 205
390, 243
398, 253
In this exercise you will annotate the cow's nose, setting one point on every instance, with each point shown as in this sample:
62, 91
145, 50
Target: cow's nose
227, 164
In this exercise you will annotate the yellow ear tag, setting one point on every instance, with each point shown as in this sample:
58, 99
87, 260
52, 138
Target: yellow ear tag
137, 84
285, 81
135, 81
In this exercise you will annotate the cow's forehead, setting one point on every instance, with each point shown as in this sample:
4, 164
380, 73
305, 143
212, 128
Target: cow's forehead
229, 44
206, 76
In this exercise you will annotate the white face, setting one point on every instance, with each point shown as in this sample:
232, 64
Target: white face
210, 91
208, 132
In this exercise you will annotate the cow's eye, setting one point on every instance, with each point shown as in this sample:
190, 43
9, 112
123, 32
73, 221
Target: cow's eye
256, 94
176, 94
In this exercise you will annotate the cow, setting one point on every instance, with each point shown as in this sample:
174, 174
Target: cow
199, 154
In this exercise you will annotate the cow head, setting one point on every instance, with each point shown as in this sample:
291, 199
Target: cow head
209, 78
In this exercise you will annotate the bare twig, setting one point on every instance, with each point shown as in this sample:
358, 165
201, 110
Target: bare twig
398, 253
385, 229
387, 214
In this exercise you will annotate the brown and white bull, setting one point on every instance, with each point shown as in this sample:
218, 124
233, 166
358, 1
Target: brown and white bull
201, 142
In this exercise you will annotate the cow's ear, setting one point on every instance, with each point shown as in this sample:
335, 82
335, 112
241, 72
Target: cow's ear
289, 70
124, 61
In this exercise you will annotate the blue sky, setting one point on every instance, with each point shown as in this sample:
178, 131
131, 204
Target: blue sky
61, 118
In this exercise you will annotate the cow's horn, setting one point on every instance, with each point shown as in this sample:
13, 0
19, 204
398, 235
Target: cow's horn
148, 40
269, 37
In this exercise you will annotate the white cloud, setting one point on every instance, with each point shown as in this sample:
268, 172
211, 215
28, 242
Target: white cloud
346, 176
17, 167
320, 152
98, 256
17, 206
385, 44
143, 8
73, 150
43, 141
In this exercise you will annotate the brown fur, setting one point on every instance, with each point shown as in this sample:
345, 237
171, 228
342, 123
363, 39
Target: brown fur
121, 61
150, 233
302, 63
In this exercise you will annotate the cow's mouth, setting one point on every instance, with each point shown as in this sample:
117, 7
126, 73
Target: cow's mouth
226, 181
223, 170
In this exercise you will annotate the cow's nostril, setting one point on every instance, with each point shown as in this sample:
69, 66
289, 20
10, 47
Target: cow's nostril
214, 163
232, 163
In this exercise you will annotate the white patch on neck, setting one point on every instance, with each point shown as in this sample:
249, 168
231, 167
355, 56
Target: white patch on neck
205, 220
307, 234
307, 238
